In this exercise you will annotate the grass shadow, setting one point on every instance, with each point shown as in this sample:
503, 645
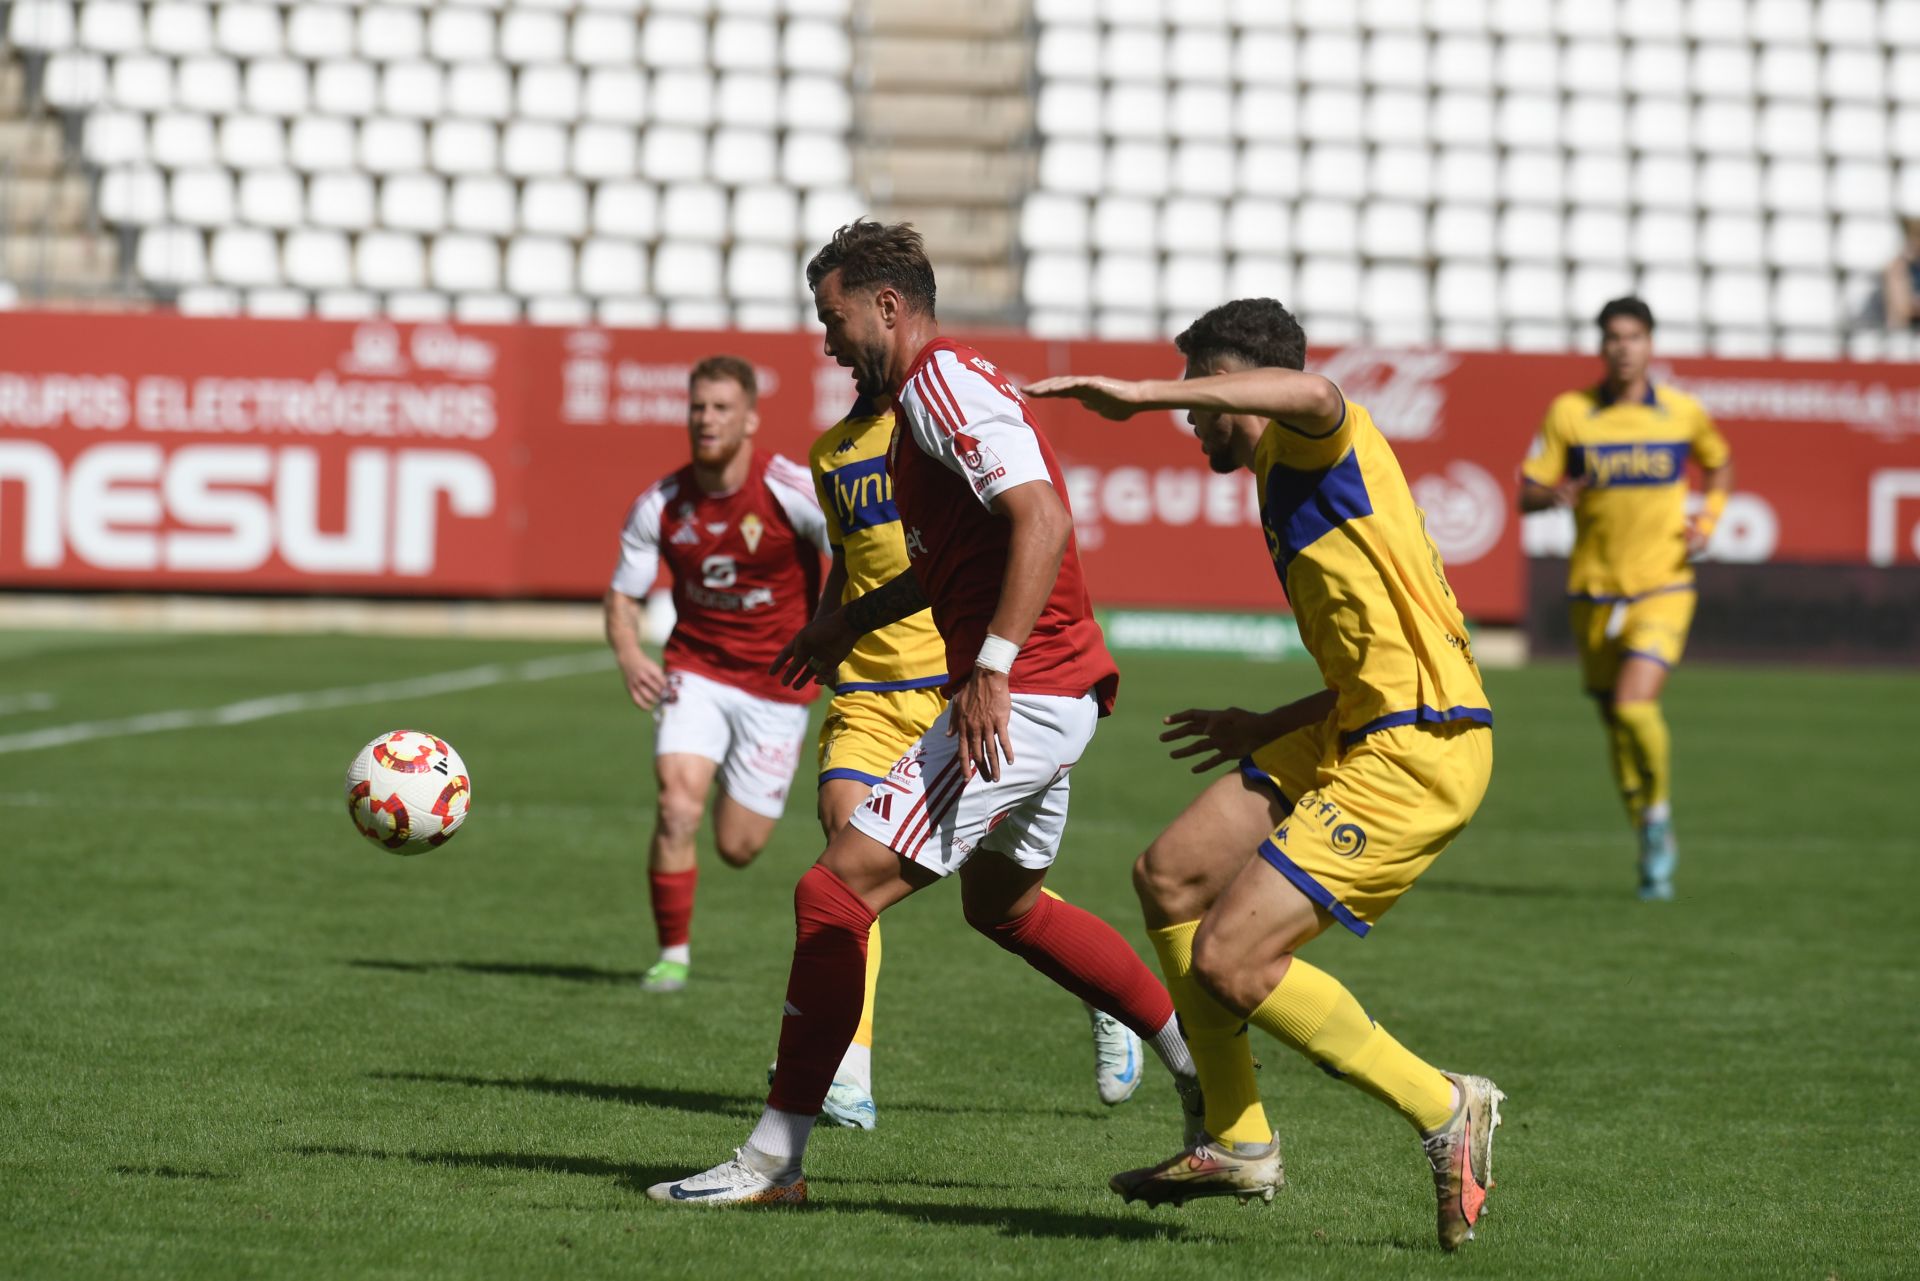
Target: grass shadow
508, 969
1010, 1220
166, 1172
1499, 889
626, 1174
700, 1102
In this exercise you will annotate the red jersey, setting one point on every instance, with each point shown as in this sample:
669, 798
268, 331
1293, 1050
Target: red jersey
746, 569
963, 438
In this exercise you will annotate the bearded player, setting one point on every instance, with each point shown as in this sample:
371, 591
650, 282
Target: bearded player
983, 792
1617, 455
1341, 799
885, 695
743, 535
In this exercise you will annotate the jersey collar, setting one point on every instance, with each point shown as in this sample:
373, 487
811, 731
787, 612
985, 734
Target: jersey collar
1602, 399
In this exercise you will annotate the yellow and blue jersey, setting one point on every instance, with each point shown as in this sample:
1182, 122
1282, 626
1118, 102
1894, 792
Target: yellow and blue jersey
1630, 523
1366, 583
849, 465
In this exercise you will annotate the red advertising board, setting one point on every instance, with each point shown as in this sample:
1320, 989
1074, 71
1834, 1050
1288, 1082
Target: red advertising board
162, 453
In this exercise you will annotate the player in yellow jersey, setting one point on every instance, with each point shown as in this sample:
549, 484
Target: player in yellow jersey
1617, 455
1341, 799
886, 694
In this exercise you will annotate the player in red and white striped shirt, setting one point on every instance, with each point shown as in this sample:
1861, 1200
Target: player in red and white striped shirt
984, 792
742, 532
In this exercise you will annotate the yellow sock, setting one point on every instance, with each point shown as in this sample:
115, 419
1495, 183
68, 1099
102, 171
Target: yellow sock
1626, 764
863, 1035
1314, 1013
1217, 1039
1652, 747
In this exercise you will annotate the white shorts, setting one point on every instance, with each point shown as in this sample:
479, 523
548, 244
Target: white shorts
756, 741
926, 812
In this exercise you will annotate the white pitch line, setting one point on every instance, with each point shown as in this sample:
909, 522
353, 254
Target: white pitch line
38, 701
259, 709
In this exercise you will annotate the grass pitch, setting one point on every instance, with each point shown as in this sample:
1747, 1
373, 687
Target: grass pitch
237, 1041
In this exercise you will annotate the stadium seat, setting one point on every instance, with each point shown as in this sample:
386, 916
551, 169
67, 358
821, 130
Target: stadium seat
271, 198
1126, 280
1394, 293
1133, 55
1138, 169
179, 28
1191, 283
341, 200
540, 267
1463, 119
1674, 294
482, 203
1467, 175
1664, 181
460, 263
743, 157
182, 140
1192, 226
1330, 58
276, 87
683, 270
345, 87
548, 92
1254, 275
613, 39
763, 273
1327, 287
111, 139
1259, 227
1401, 173
1058, 282
1737, 299
245, 256
1664, 238
694, 212
207, 300
141, 82
201, 198
317, 32
1326, 227
554, 207
390, 145
533, 36
133, 196
626, 209
613, 268
316, 144
564, 310
479, 90
1462, 232
103, 26
637, 313
276, 304
346, 304
456, 34
74, 81
1466, 291
1597, 235
1732, 240
1591, 286
1598, 179
1530, 66
1070, 53
252, 142
1393, 231
1529, 235
171, 256
1532, 178
1124, 223
1327, 114
1336, 171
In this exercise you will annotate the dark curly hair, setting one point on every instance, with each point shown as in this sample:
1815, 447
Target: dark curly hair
1258, 331
871, 253
1630, 306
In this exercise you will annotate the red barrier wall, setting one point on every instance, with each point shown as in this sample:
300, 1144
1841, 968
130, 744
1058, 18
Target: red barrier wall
162, 453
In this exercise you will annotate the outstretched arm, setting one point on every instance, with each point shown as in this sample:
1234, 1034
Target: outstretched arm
1305, 402
1229, 733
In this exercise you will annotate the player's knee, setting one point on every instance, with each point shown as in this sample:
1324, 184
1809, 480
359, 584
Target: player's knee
1162, 888
680, 813
1219, 969
736, 850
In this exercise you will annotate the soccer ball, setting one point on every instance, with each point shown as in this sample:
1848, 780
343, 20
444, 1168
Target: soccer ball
408, 791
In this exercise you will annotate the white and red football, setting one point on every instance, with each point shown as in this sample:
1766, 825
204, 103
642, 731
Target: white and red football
408, 791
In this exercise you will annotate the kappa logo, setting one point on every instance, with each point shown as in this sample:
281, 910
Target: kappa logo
845, 447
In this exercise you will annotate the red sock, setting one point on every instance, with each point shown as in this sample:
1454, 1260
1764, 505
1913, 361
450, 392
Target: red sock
1086, 956
824, 989
673, 905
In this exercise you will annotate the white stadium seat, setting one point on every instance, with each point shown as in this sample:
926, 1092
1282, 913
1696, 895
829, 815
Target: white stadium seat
762, 273
183, 141
482, 202
465, 263
550, 92
540, 266
253, 142
459, 34
179, 28
319, 143
414, 202
141, 82
533, 149
74, 81
694, 211
628, 209
201, 198
277, 87
1059, 281
481, 90
342, 200
1124, 223
272, 198
415, 90
686, 271
104, 26
605, 39
768, 214
346, 87
532, 36
245, 256
391, 145
554, 207
317, 259
134, 196
1049, 220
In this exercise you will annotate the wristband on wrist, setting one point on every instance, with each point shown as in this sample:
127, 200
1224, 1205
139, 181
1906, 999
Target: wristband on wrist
997, 654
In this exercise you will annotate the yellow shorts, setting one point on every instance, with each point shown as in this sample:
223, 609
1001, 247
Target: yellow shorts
866, 730
1653, 626
1367, 821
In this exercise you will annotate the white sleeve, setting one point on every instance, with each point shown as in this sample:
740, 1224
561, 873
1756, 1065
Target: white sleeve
640, 543
975, 424
792, 487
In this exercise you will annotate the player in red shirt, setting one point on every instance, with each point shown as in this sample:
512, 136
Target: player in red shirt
984, 792
742, 532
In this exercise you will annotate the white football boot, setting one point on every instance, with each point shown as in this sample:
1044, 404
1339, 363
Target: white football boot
1118, 1058
738, 1181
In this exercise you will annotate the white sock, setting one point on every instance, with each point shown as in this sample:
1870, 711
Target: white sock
856, 1065
1172, 1048
681, 952
781, 1137
1661, 813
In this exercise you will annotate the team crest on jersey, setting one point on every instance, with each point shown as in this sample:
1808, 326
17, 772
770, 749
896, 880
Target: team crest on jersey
751, 527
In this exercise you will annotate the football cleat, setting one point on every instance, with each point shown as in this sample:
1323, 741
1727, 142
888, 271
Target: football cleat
1461, 1154
665, 976
1658, 858
1117, 1058
1210, 1167
734, 1182
849, 1105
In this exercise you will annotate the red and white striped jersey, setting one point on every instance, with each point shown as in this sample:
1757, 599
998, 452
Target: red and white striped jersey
963, 438
746, 569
